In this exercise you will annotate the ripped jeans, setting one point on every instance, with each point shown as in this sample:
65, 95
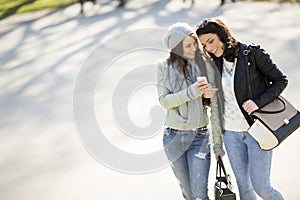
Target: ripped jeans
189, 155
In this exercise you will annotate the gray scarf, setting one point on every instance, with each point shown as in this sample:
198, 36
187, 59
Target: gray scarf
190, 112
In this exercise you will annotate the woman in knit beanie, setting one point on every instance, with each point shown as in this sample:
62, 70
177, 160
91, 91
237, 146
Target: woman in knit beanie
186, 137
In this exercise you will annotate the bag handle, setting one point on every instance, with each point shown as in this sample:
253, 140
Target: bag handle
246, 53
274, 111
220, 168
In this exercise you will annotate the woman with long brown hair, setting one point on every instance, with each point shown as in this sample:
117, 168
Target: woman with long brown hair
235, 61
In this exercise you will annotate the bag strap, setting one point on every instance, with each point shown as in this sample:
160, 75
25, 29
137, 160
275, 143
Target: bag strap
220, 168
246, 53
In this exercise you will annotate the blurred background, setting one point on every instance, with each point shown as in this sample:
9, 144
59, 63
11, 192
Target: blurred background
79, 112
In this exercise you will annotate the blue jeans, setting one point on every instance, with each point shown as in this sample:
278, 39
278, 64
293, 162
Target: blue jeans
251, 166
189, 154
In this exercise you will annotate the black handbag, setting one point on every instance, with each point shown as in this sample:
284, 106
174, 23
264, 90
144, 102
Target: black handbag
274, 122
222, 186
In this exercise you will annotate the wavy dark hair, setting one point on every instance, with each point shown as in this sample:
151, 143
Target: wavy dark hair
176, 56
217, 26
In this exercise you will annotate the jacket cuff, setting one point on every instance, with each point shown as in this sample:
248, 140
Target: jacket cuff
218, 149
193, 91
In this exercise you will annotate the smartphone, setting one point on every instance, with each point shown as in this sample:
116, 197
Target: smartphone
202, 78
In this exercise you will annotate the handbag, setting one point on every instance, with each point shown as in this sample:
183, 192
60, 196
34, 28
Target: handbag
274, 122
222, 186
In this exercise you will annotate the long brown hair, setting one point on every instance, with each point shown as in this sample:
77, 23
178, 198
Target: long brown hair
217, 26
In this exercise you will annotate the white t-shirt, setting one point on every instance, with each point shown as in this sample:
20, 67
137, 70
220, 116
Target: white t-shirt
233, 117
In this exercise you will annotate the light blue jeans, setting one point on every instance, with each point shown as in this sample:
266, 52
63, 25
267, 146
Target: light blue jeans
251, 166
189, 154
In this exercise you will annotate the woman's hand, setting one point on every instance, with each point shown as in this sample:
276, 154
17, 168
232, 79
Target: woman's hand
210, 92
207, 90
249, 106
217, 156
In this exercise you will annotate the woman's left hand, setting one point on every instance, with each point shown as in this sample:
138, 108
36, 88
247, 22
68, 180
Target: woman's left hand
249, 106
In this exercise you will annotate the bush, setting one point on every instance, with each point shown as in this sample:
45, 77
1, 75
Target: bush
11, 7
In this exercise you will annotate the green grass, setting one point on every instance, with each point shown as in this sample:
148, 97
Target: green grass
12, 7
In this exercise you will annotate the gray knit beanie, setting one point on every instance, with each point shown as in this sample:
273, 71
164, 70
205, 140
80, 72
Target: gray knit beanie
176, 33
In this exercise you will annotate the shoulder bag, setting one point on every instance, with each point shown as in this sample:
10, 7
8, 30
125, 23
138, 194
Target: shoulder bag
274, 122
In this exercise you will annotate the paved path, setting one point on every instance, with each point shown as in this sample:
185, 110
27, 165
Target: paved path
44, 154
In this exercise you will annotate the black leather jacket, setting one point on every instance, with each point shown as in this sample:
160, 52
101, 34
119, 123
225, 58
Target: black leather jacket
266, 79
